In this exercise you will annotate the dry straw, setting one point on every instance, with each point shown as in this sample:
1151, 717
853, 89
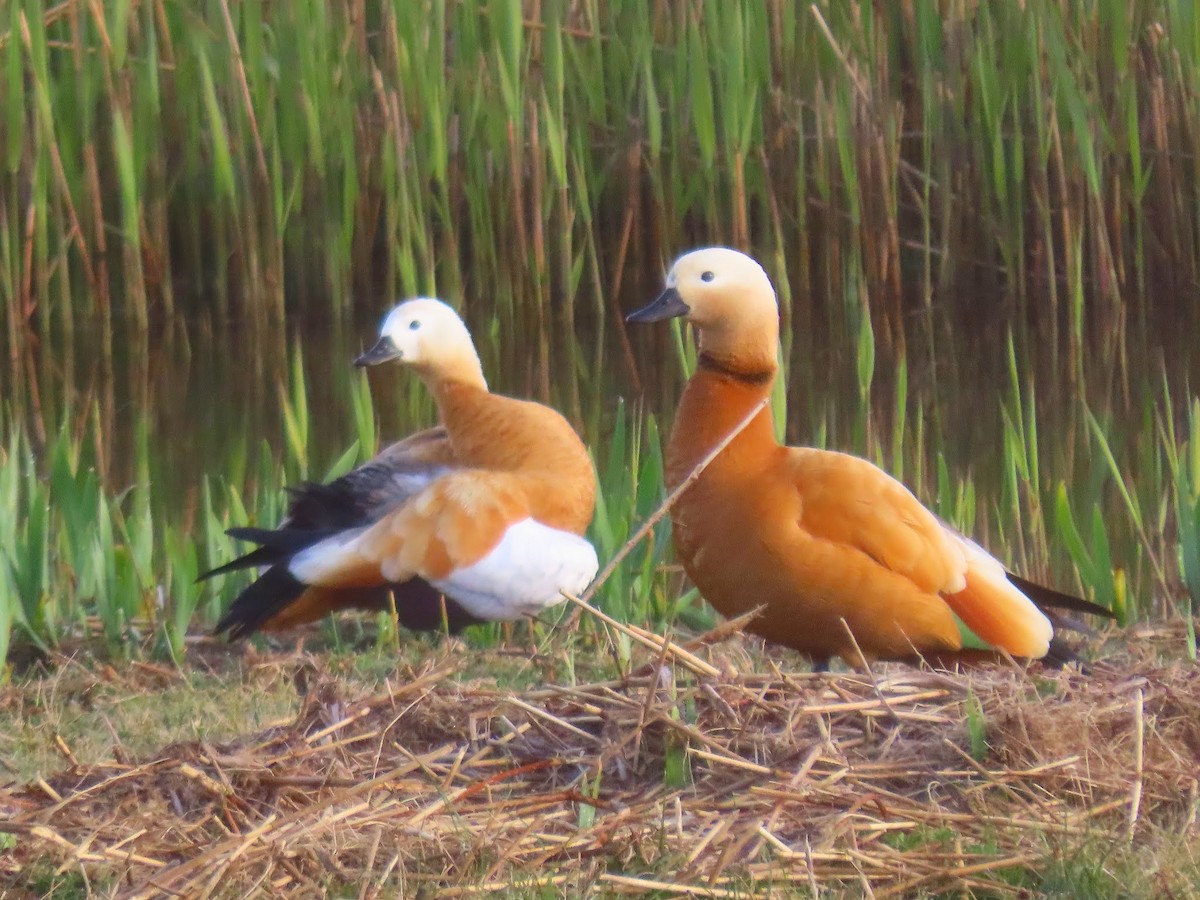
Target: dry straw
791, 780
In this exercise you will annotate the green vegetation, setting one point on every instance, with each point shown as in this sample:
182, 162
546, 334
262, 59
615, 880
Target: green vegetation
982, 215
982, 223
83, 563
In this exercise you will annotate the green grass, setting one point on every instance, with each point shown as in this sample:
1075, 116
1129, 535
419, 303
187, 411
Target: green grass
136, 716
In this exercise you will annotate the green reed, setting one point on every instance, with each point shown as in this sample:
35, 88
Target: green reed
978, 217
201, 159
117, 567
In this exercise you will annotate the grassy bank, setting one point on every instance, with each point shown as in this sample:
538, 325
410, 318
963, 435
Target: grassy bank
462, 770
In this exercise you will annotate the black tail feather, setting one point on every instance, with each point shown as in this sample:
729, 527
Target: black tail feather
256, 558
282, 540
276, 545
267, 595
419, 605
1061, 654
1048, 597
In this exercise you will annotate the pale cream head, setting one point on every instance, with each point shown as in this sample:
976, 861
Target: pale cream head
729, 298
429, 337
721, 286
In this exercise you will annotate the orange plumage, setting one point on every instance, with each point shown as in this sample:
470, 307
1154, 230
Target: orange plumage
835, 551
488, 509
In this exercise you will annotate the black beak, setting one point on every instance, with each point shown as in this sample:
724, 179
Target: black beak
667, 305
383, 350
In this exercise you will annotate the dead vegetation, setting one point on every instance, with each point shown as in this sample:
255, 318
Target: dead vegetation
712, 773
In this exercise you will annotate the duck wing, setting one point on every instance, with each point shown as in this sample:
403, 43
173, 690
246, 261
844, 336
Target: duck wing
849, 501
317, 512
470, 534
854, 503
359, 497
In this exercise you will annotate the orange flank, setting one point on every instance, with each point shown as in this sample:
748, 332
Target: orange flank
481, 518
836, 552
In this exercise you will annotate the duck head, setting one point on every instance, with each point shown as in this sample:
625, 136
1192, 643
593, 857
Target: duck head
729, 298
429, 337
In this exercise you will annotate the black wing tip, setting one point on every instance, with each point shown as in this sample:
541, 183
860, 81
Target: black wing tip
282, 541
275, 545
260, 556
1060, 655
267, 595
233, 631
251, 533
1045, 596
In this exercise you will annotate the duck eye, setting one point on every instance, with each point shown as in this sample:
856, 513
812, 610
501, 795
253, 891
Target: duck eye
707, 276
414, 325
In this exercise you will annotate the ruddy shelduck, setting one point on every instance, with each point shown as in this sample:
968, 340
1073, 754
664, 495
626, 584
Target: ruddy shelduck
487, 510
839, 556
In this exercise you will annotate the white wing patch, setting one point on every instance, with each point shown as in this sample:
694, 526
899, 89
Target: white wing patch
524, 574
413, 481
315, 563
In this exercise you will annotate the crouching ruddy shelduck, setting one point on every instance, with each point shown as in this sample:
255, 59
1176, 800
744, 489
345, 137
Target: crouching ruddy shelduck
487, 510
839, 555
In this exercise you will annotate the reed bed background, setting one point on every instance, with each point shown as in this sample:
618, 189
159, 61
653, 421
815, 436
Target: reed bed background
981, 219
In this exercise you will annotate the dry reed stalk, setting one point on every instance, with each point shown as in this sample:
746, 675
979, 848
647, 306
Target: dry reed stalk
789, 784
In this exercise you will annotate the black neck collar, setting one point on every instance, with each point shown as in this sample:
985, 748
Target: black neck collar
757, 377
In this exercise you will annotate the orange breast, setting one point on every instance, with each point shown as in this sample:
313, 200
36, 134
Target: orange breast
738, 535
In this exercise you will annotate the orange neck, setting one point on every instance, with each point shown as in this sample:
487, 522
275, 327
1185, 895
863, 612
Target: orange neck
715, 402
470, 414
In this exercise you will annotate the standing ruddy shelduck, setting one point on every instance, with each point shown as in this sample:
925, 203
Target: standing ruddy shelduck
827, 544
488, 509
